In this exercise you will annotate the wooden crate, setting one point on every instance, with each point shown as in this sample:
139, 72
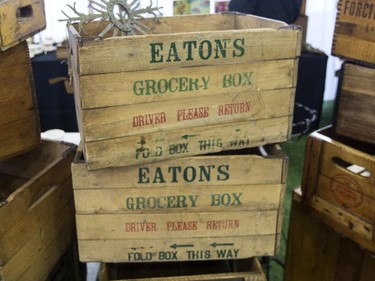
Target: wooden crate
338, 185
247, 270
223, 206
189, 89
315, 251
355, 103
20, 19
36, 211
355, 30
19, 120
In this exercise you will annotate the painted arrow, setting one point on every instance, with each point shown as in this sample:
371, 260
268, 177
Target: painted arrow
175, 246
188, 136
221, 244
136, 248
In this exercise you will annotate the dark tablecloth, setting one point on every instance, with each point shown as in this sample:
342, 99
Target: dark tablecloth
56, 106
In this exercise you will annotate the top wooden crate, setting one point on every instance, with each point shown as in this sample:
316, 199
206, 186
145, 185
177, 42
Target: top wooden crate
198, 84
354, 36
20, 19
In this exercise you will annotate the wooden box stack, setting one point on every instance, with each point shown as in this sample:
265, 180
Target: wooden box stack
354, 43
36, 194
338, 180
332, 235
180, 159
36, 211
19, 120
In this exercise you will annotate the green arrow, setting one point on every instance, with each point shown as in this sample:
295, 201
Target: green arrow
188, 136
175, 246
221, 244
136, 248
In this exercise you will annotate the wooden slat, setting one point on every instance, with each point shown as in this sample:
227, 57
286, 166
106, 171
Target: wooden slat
355, 103
152, 250
315, 251
213, 198
133, 53
200, 140
182, 225
114, 89
225, 169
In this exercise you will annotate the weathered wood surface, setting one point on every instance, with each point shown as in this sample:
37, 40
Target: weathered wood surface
315, 251
339, 187
225, 197
19, 120
355, 31
36, 211
183, 82
20, 19
355, 104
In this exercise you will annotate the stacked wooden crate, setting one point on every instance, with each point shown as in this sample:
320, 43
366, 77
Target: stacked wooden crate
339, 171
317, 252
178, 130
36, 195
19, 120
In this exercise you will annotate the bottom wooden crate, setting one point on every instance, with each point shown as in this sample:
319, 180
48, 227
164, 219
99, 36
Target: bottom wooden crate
228, 270
36, 211
19, 119
69, 268
316, 252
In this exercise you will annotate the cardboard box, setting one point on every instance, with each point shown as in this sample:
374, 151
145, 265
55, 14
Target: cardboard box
338, 185
315, 251
36, 211
248, 269
224, 206
19, 119
20, 19
354, 115
187, 89
355, 30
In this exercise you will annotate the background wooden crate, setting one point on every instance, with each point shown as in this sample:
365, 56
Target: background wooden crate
36, 211
249, 270
355, 30
210, 207
315, 251
338, 184
232, 60
20, 19
19, 120
354, 115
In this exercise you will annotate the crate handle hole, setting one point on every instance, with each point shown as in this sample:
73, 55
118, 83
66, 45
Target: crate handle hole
353, 168
25, 12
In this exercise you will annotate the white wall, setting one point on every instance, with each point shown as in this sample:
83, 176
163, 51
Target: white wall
322, 17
